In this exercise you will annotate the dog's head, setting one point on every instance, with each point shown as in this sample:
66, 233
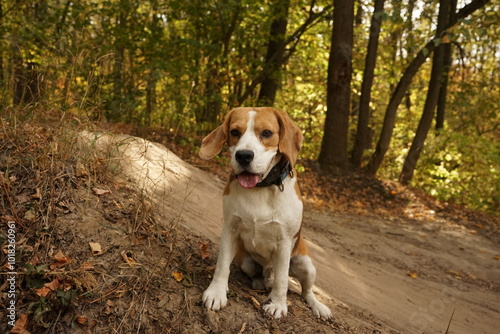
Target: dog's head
258, 138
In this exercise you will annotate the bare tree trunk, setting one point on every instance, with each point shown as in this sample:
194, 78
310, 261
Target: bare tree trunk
409, 43
115, 109
150, 96
441, 105
402, 87
361, 139
2, 80
333, 155
431, 100
275, 53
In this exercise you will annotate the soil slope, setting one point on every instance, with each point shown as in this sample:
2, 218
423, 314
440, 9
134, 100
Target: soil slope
406, 275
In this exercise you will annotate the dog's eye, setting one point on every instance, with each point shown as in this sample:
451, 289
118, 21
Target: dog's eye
235, 133
266, 134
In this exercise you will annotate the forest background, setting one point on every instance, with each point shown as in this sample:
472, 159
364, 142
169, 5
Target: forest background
182, 65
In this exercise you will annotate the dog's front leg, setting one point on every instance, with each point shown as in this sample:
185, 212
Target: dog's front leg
215, 297
276, 305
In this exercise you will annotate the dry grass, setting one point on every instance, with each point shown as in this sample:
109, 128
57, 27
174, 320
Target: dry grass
51, 182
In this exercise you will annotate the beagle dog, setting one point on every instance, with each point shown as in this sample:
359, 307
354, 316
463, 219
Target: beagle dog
262, 209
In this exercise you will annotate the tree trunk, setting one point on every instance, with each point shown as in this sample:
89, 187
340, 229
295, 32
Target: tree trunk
213, 98
275, 52
2, 81
150, 96
403, 84
409, 43
361, 140
333, 155
441, 105
431, 100
115, 109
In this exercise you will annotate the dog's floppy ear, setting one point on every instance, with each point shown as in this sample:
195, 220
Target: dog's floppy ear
290, 137
212, 144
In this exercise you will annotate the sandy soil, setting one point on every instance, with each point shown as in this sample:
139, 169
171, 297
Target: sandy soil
394, 274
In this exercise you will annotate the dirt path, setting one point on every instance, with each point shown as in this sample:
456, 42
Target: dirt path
364, 263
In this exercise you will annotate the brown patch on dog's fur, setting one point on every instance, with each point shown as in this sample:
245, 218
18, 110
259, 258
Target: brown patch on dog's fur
300, 247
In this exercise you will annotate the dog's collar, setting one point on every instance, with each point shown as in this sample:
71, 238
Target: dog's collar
277, 175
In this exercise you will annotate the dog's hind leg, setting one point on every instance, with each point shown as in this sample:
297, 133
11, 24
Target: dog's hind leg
303, 270
251, 267
255, 271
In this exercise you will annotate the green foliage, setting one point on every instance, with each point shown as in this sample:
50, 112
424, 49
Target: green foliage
463, 169
183, 64
65, 297
39, 310
35, 276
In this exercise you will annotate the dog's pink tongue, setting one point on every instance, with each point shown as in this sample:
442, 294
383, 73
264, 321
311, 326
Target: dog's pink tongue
248, 180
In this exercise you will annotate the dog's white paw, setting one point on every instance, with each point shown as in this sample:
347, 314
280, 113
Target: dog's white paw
321, 311
215, 297
277, 310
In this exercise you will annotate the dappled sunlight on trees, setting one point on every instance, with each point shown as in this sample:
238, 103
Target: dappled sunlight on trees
183, 64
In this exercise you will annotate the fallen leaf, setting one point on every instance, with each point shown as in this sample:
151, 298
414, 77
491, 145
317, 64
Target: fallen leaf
496, 257
203, 247
61, 260
60, 257
8, 266
82, 319
34, 260
54, 285
21, 325
178, 276
412, 274
43, 291
100, 192
95, 248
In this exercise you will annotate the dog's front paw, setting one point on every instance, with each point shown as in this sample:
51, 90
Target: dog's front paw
321, 311
215, 297
277, 310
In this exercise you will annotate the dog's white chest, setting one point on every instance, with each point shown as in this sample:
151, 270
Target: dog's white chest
264, 217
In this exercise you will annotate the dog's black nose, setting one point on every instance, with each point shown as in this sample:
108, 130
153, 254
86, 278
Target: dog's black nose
244, 157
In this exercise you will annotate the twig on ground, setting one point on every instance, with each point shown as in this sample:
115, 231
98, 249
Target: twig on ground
449, 323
